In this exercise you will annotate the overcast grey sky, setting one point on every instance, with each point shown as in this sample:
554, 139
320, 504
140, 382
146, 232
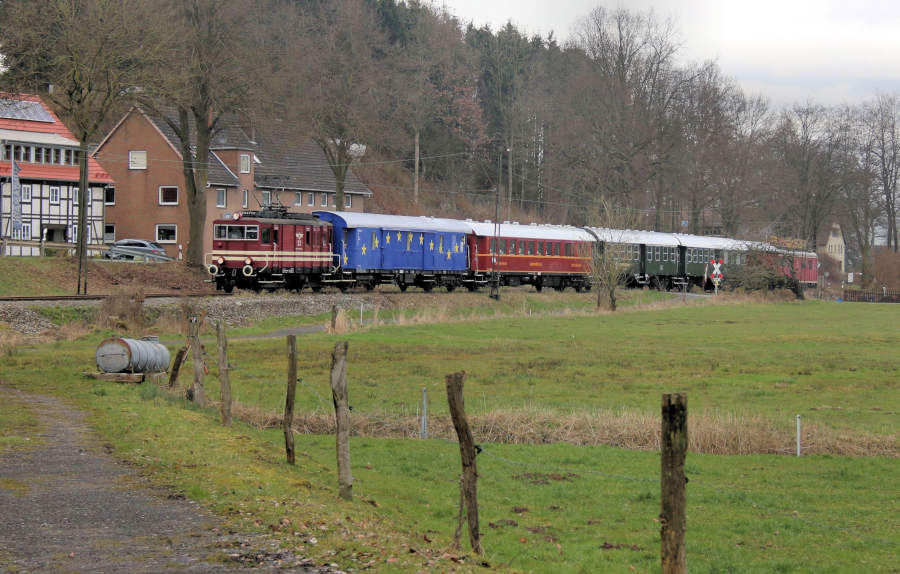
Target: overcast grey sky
832, 51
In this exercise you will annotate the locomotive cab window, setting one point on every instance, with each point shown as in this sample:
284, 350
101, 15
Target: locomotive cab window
266, 235
242, 232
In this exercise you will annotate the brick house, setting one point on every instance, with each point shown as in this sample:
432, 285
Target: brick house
143, 154
46, 155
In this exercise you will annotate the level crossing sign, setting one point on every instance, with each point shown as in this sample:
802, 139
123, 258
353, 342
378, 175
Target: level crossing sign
716, 274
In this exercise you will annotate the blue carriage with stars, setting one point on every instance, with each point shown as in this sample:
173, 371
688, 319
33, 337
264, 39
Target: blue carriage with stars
423, 251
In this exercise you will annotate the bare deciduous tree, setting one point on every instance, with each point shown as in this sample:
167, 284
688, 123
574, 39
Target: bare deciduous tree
610, 261
211, 75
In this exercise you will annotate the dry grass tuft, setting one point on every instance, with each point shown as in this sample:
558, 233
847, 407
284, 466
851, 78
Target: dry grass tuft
123, 312
710, 432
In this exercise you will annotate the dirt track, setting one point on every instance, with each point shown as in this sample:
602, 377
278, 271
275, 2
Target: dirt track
68, 506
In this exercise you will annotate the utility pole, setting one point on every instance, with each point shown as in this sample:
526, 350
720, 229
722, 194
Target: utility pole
494, 247
509, 177
416, 180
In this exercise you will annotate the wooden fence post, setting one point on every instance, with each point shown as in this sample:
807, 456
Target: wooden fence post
288, 421
334, 315
342, 418
224, 381
469, 481
197, 355
672, 481
180, 358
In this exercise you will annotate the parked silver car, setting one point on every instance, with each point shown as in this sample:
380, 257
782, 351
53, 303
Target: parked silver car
136, 249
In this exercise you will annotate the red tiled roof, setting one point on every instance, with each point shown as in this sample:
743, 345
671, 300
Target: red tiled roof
96, 174
42, 171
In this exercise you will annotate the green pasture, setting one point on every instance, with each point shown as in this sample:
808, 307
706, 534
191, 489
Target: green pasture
544, 508
834, 363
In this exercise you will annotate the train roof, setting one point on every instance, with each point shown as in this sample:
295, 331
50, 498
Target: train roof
634, 236
354, 219
531, 231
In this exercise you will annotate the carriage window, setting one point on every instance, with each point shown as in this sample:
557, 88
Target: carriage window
512, 246
441, 244
502, 246
493, 246
568, 249
374, 237
540, 249
665, 254
409, 241
521, 247
530, 250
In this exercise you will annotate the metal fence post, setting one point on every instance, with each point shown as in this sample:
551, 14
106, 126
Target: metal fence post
424, 433
798, 435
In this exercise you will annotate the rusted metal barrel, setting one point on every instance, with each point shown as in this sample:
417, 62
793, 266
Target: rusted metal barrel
119, 355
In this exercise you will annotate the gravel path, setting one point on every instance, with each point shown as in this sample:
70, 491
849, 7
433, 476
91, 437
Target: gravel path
66, 505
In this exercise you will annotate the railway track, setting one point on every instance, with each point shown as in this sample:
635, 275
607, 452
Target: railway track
101, 297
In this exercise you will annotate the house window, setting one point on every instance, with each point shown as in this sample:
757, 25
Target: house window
310, 199
245, 198
245, 163
57, 156
298, 198
26, 231
137, 159
166, 232
266, 198
348, 201
75, 196
168, 195
26, 193
54, 196
221, 197
74, 234
109, 233
324, 200
109, 196
69, 157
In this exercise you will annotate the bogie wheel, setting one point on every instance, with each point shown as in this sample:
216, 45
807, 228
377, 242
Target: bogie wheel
228, 287
450, 288
403, 287
342, 287
471, 288
538, 287
370, 286
428, 287
578, 288
317, 288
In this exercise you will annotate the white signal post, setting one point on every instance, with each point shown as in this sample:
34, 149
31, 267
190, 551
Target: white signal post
716, 274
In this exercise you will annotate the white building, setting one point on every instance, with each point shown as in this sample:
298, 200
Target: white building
47, 157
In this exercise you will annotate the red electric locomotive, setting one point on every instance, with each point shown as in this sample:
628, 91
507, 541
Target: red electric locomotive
270, 249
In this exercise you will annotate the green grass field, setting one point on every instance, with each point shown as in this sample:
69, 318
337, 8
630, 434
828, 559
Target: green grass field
552, 507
